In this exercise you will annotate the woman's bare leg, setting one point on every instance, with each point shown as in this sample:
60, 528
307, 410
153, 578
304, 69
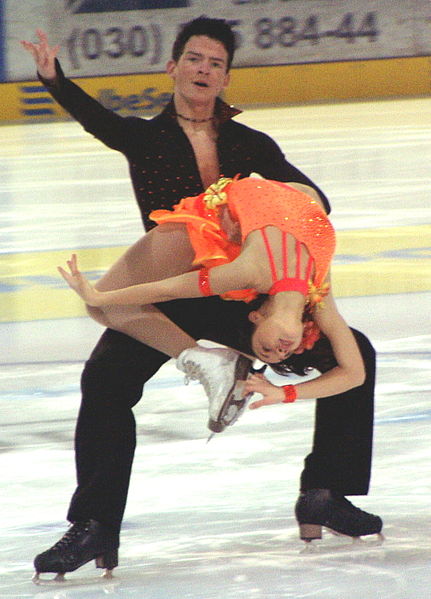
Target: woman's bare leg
163, 252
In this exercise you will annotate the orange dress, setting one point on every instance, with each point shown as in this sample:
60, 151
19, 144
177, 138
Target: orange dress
255, 204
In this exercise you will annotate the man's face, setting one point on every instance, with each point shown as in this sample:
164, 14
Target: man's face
201, 71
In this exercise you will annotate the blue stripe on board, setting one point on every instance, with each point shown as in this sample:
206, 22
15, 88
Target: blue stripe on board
2, 45
40, 392
37, 111
407, 418
32, 89
37, 100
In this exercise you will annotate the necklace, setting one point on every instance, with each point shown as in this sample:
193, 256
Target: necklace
186, 118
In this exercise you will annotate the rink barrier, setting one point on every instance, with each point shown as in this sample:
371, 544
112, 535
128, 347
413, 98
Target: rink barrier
146, 94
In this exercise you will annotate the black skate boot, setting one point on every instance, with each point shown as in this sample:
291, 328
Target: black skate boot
321, 507
83, 542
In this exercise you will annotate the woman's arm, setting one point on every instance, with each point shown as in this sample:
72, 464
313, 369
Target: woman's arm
234, 275
350, 370
348, 373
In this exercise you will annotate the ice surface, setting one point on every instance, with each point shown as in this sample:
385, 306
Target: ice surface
215, 521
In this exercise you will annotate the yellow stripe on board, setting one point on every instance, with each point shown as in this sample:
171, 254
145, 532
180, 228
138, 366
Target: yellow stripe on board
382, 261
32, 289
368, 262
146, 94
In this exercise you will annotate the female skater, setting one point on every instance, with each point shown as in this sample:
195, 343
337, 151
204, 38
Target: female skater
240, 238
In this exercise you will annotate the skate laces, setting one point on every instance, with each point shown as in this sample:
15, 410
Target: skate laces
194, 372
351, 507
70, 536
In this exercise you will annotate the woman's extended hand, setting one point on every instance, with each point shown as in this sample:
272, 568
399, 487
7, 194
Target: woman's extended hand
44, 55
272, 394
78, 282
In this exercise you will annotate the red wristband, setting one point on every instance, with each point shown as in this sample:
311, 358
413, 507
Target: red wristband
290, 393
204, 283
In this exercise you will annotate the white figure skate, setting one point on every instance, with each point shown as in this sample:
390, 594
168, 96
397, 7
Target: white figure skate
222, 372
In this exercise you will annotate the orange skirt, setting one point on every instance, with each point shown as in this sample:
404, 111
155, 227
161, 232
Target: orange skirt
209, 241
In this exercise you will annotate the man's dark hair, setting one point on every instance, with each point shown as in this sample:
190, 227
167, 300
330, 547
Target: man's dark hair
216, 29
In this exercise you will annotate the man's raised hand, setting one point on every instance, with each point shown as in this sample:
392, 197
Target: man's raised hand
44, 55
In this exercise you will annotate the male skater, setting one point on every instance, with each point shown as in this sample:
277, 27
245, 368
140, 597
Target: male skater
178, 153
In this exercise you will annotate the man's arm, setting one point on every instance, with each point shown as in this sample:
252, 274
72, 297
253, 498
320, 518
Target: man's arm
105, 125
271, 163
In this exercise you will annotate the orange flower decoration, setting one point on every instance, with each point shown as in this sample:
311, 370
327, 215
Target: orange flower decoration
316, 295
309, 338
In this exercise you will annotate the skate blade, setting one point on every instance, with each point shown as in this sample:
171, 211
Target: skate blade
107, 581
58, 579
310, 548
235, 402
108, 575
314, 546
375, 539
230, 412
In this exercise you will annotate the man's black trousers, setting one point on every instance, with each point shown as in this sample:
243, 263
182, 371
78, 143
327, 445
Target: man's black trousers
112, 383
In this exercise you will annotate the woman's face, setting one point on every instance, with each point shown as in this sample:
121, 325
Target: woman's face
273, 341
